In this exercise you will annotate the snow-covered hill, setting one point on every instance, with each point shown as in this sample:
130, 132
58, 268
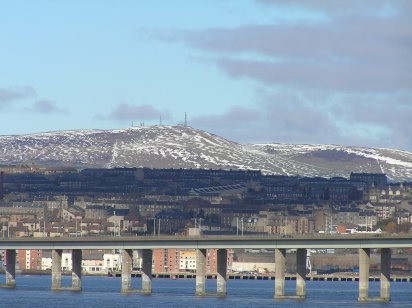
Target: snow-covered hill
185, 147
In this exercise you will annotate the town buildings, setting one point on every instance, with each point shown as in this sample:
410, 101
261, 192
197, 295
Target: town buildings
137, 201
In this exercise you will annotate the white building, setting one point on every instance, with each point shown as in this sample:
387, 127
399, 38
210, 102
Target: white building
111, 261
187, 260
46, 261
253, 267
92, 261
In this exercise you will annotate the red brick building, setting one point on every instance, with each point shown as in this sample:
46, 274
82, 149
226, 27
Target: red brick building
168, 260
29, 259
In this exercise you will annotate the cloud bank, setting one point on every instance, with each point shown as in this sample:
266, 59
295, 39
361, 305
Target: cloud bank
10, 95
19, 100
46, 107
124, 112
344, 79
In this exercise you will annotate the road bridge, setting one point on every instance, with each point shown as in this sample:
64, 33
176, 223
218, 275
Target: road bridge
364, 243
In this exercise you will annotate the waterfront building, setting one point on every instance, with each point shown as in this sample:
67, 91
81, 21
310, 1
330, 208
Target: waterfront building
253, 267
181, 260
166, 260
93, 261
29, 259
187, 260
111, 261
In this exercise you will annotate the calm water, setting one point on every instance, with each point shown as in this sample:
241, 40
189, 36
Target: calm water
34, 291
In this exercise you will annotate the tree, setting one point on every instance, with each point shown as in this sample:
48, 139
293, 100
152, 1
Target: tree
390, 227
381, 224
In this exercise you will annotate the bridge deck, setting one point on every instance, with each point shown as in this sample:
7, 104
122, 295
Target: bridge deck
204, 242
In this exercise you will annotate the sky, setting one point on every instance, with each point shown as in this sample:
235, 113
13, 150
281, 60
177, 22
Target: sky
252, 71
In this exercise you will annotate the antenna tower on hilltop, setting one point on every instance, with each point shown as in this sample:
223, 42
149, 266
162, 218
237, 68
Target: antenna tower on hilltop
185, 119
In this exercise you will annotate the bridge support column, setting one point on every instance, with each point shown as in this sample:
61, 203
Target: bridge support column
364, 261
147, 256
280, 264
10, 269
76, 269
385, 274
221, 272
301, 273
56, 269
127, 257
200, 272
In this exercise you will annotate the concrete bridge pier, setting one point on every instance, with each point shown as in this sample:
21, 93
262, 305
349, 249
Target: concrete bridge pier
221, 272
301, 273
76, 269
127, 257
280, 264
200, 272
364, 262
56, 269
10, 269
385, 274
127, 264
147, 256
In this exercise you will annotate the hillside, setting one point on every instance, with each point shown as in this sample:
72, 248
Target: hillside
185, 147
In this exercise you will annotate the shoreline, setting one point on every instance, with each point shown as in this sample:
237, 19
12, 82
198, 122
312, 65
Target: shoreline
230, 276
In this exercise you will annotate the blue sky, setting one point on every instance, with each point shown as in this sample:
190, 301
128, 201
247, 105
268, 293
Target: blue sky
252, 71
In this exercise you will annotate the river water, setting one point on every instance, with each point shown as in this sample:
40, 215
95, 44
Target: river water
34, 291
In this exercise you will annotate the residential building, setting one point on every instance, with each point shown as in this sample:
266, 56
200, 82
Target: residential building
29, 259
187, 260
384, 211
